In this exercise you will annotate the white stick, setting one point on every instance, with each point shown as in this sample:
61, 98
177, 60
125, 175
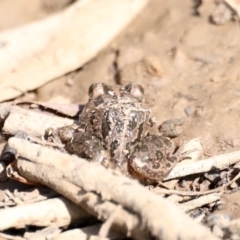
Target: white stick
218, 162
88, 233
31, 122
198, 202
59, 211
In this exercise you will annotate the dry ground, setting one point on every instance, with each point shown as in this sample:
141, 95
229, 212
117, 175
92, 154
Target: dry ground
187, 64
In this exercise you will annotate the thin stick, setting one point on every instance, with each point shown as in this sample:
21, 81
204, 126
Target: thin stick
186, 193
33, 124
198, 202
62, 213
218, 162
88, 233
104, 230
4, 236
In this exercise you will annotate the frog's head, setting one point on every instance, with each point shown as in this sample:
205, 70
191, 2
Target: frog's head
102, 91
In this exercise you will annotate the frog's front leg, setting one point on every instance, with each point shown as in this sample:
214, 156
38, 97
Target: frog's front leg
83, 144
152, 158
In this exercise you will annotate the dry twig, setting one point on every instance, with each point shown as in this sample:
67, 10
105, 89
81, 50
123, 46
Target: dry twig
59, 211
218, 162
157, 214
105, 228
9, 237
32, 123
50, 232
199, 202
88, 233
186, 193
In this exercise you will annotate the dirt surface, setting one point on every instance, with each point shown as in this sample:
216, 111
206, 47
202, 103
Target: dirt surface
187, 65
185, 55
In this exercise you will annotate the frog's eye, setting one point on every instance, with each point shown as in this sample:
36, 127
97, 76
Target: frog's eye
135, 90
98, 89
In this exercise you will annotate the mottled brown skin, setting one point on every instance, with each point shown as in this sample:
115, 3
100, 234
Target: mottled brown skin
116, 129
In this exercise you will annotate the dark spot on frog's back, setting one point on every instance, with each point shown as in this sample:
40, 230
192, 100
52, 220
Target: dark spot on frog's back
167, 142
168, 164
114, 146
92, 119
159, 155
105, 125
156, 165
140, 131
132, 124
173, 159
136, 118
135, 124
119, 126
112, 121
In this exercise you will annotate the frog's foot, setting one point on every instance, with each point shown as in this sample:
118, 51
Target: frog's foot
59, 135
152, 158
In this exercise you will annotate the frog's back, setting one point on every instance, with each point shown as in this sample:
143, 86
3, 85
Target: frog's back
118, 117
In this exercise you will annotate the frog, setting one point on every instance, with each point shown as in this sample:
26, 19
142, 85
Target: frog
116, 129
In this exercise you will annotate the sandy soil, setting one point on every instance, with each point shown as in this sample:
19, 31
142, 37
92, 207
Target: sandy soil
184, 54
187, 65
